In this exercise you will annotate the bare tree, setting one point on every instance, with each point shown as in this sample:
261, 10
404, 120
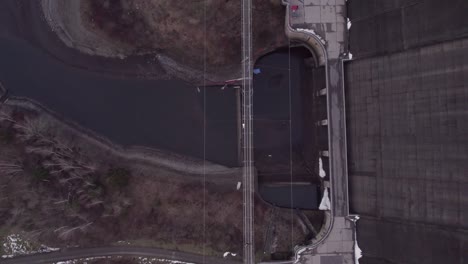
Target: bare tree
16, 212
35, 233
93, 203
5, 115
68, 170
34, 128
66, 232
11, 168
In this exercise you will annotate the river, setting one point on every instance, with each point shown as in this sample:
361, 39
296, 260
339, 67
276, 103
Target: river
164, 114
280, 104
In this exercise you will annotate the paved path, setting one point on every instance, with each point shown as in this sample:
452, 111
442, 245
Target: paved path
76, 253
247, 145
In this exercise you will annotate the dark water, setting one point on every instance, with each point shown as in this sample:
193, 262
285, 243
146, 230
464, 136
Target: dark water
277, 95
278, 116
162, 114
297, 197
279, 129
277, 99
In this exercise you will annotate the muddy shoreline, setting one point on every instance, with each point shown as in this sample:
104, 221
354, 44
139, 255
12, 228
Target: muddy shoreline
65, 21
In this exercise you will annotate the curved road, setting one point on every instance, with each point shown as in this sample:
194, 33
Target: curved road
77, 253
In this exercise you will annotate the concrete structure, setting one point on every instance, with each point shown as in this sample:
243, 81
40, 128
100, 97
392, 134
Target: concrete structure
407, 119
407, 116
337, 247
247, 135
332, 37
406, 109
320, 24
328, 20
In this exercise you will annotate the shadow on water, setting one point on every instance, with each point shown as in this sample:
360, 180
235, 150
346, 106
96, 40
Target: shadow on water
165, 114
287, 196
287, 174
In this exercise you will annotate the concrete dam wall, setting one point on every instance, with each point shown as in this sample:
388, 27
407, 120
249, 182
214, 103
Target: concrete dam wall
407, 121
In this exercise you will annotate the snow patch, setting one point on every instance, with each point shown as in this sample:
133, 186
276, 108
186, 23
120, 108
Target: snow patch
311, 31
15, 245
301, 250
322, 173
122, 242
298, 254
227, 253
325, 203
357, 250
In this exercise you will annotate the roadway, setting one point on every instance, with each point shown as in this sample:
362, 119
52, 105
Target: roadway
80, 253
247, 134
